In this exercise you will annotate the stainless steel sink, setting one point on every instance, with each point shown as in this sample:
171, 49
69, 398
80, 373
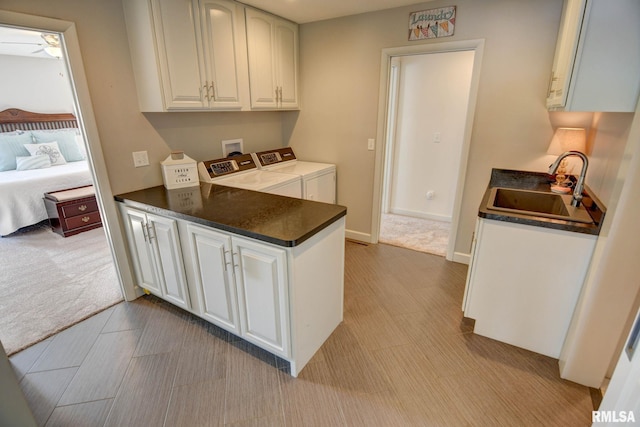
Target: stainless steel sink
537, 203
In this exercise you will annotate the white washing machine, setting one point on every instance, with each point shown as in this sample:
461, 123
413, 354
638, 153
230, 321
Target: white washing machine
318, 179
242, 172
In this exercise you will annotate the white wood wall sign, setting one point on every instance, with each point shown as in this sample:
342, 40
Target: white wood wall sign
432, 23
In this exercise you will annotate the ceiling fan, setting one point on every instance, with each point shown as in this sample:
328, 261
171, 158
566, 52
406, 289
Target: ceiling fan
50, 44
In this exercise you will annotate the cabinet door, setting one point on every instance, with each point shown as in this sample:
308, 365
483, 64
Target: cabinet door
597, 58
262, 294
180, 65
469, 282
607, 64
260, 50
223, 53
213, 270
164, 239
524, 283
566, 47
286, 63
321, 188
141, 252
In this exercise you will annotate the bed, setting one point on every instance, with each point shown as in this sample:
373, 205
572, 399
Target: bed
27, 139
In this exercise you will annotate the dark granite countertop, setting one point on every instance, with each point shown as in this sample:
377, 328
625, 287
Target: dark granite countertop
539, 181
280, 220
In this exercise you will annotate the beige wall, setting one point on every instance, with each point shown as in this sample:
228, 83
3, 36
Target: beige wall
611, 294
340, 69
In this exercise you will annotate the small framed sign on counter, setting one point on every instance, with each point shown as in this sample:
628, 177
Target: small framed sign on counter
432, 23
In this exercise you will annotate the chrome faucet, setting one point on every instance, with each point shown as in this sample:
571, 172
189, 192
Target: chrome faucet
577, 191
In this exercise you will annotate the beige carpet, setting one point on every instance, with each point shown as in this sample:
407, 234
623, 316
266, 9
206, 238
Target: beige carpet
48, 283
419, 234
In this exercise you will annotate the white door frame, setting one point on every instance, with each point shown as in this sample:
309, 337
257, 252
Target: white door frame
89, 129
382, 132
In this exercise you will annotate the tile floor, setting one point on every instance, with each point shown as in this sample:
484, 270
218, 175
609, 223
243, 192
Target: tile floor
404, 356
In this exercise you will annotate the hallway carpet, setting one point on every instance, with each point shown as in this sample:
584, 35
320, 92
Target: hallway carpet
418, 234
49, 283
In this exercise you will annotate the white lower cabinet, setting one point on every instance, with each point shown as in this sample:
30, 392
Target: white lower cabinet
212, 267
241, 286
156, 255
261, 280
286, 300
524, 282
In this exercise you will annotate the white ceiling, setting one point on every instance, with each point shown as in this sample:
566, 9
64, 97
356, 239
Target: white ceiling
15, 41
304, 11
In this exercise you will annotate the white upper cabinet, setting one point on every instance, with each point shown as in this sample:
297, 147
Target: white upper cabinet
188, 54
181, 76
225, 55
272, 45
597, 60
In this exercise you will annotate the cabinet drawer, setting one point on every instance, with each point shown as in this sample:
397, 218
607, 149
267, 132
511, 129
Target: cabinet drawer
81, 208
82, 220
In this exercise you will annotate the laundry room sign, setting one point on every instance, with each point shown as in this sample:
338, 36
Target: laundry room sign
432, 23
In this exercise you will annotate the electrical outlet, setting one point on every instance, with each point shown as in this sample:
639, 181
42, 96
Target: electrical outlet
436, 137
371, 144
140, 158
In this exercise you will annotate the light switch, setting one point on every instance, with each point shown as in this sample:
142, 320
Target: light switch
371, 144
436, 137
140, 158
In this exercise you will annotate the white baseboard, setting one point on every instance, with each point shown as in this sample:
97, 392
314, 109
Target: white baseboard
366, 238
423, 215
461, 258
358, 236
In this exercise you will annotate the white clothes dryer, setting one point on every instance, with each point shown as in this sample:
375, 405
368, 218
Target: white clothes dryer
318, 179
242, 172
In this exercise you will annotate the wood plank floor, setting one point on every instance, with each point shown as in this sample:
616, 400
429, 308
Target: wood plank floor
404, 356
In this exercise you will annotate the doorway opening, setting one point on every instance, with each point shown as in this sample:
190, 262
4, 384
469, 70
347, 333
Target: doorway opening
425, 117
69, 50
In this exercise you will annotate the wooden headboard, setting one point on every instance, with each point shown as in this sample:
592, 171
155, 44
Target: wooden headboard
13, 119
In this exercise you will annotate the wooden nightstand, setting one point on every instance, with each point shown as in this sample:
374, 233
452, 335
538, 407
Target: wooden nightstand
72, 211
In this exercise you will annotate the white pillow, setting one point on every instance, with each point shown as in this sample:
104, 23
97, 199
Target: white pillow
66, 139
51, 149
81, 146
33, 162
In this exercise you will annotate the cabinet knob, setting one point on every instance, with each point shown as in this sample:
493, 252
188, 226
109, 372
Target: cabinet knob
82, 208
85, 219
